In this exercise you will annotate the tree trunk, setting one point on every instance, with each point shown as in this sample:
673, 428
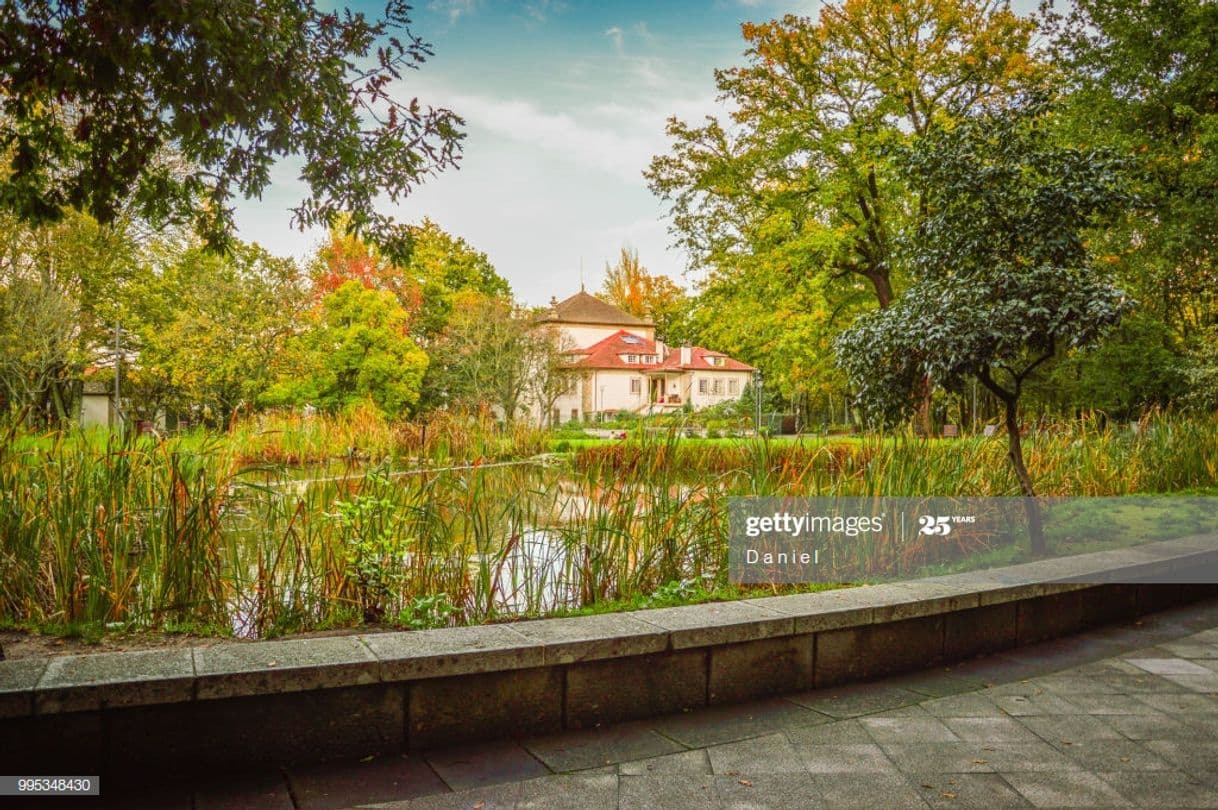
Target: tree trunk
1036, 529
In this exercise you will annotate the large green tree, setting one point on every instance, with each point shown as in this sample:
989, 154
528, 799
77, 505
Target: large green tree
1143, 78
227, 320
792, 201
1003, 277
170, 110
354, 349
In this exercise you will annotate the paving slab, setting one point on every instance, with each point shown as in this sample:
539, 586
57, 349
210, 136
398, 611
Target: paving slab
369, 781
966, 705
264, 792
720, 724
667, 791
594, 748
1166, 789
76, 683
845, 758
864, 791
769, 791
564, 791
1112, 755
989, 729
772, 753
907, 729
297, 665
493, 763
1065, 789
856, 700
967, 791
694, 762
943, 757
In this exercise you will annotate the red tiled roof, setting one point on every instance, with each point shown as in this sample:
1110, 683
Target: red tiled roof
606, 353
697, 361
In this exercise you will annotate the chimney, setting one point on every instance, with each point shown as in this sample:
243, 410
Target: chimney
661, 351
687, 355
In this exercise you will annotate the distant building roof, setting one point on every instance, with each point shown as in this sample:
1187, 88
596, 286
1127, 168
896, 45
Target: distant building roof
607, 352
585, 308
700, 359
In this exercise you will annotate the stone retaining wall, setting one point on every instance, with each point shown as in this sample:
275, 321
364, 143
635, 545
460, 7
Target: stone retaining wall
167, 713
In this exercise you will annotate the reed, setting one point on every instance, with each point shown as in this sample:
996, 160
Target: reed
218, 531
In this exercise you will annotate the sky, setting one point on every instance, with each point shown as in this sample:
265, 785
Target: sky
565, 104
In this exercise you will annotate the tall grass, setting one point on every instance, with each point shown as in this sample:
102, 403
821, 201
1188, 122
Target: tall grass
218, 531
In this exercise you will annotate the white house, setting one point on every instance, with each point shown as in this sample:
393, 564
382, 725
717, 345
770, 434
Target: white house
623, 368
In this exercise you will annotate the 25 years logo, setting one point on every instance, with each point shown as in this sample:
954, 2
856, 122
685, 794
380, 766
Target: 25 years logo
941, 525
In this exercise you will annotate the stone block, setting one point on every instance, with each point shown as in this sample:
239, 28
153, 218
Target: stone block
590, 638
67, 743
1050, 616
823, 610
17, 681
453, 651
486, 706
980, 631
756, 669
879, 649
270, 667
75, 683
1108, 604
615, 690
718, 623
245, 733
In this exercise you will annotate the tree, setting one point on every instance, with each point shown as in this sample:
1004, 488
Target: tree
1004, 279
492, 354
356, 349
798, 184
231, 318
657, 298
440, 266
170, 109
64, 287
1142, 77
445, 266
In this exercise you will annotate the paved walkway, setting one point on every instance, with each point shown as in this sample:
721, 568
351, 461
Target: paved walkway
1124, 716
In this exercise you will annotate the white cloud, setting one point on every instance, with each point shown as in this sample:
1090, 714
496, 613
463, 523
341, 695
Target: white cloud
616, 34
455, 9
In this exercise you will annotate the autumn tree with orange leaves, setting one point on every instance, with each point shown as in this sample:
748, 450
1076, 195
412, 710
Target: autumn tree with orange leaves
657, 298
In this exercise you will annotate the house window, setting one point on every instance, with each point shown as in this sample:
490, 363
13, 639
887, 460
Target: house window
703, 386
718, 389
575, 414
733, 386
636, 385
632, 358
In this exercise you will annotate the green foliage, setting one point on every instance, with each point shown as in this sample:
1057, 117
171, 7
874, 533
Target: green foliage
373, 549
355, 350
1143, 78
1003, 276
1139, 366
227, 320
173, 109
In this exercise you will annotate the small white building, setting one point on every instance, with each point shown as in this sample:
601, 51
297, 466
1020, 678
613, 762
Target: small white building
621, 367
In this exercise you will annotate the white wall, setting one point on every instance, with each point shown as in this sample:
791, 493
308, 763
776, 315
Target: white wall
703, 400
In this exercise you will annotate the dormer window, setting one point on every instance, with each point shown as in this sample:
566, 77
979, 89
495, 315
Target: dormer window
632, 358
